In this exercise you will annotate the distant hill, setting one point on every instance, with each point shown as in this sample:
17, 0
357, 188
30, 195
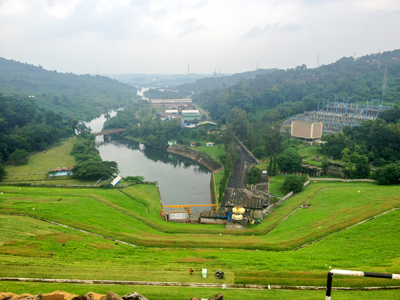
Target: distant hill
218, 82
278, 94
80, 96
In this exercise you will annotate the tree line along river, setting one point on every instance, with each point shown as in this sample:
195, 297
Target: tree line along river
181, 180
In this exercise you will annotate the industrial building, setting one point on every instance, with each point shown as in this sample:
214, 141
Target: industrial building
340, 113
307, 130
172, 103
190, 115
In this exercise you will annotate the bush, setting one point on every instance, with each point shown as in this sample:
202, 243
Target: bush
19, 157
254, 175
389, 174
292, 183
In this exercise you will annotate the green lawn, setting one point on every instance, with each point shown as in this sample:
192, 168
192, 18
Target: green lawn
275, 184
57, 156
258, 255
215, 151
311, 152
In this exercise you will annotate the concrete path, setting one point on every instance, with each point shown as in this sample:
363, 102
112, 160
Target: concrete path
193, 284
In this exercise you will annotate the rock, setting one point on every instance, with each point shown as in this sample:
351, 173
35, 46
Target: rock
23, 296
134, 296
7, 296
94, 296
113, 296
80, 297
218, 296
53, 296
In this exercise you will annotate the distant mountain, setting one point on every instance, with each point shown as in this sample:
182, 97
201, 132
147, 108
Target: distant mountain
80, 96
278, 94
156, 80
217, 81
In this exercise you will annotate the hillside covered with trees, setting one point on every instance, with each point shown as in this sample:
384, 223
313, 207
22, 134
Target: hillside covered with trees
82, 97
24, 128
274, 96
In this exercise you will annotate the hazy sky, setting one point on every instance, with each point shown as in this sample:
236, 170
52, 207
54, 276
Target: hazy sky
164, 36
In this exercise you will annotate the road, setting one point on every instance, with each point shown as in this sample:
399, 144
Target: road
238, 178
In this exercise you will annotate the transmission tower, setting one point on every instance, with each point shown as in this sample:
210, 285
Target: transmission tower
318, 60
384, 81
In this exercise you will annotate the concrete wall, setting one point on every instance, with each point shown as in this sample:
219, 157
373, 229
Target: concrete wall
205, 160
212, 221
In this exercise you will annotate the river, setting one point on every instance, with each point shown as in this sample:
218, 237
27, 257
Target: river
181, 180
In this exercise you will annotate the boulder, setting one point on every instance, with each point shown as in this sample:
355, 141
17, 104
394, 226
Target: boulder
94, 296
134, 296
218, 296
7, 296
113, 296
53, 296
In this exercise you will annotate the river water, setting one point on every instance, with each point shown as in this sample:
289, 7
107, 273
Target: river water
181, 180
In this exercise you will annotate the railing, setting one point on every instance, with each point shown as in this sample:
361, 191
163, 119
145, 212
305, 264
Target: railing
354, 273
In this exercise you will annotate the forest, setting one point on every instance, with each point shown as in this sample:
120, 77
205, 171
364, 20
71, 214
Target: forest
82, 97
274, 96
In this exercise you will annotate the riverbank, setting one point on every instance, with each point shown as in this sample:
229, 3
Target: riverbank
210, 163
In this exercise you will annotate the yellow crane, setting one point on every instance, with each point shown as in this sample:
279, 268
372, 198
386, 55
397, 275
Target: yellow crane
186, 207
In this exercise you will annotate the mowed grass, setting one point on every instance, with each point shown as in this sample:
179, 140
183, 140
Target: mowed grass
26, 244
215, 151
275, 184
185, 293
57, 156
136, 218
311, 152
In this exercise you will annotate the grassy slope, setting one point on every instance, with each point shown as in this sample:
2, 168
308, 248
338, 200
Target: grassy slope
57, 156
26, 244
328, 211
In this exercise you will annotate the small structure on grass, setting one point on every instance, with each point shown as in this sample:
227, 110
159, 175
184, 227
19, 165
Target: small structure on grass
116, 181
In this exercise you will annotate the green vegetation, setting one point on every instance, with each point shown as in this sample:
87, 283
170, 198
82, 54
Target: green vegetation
89, 163
253, 106
275, 185
82, 97
254, 175
56, 156
25, 129
292, 183
26, 242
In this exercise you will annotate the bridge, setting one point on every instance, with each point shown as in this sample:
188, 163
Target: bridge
111, 131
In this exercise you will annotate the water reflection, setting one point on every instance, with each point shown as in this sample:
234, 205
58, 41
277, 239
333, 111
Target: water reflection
181, 180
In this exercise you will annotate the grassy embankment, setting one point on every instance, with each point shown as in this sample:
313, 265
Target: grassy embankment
26, 242
77, 203
215, 152
39, 164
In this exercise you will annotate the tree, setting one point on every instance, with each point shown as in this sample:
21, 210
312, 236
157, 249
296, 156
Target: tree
254, 175
95, 168
289, 160
389, 174
19, 157
292, 183
2, 172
